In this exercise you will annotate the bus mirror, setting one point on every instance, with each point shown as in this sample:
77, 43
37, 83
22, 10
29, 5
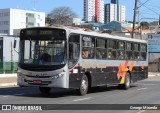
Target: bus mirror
15, 42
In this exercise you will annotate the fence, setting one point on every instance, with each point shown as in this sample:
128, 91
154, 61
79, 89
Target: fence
8, 67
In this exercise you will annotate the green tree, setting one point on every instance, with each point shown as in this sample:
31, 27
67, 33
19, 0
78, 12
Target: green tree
48, 20
145, 25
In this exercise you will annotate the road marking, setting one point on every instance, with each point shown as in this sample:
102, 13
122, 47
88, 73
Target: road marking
141, 89
82, 99
14, 95
144, 84
141, 111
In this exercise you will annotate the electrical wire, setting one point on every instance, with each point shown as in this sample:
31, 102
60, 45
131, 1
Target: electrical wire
143, 4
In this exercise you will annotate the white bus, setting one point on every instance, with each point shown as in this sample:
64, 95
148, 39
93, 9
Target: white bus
78, 59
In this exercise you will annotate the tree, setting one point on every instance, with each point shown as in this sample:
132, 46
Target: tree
48, 20
145, 25
61, 16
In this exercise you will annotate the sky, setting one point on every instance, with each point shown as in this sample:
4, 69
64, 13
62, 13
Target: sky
151, 9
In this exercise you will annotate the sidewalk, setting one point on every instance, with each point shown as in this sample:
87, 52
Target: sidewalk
7, 80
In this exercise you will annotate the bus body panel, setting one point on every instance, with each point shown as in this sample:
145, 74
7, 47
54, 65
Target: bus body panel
105, 72
31, 78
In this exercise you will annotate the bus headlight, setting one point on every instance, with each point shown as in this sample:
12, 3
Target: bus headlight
58, 75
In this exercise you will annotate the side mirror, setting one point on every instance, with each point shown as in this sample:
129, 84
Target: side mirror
15, 42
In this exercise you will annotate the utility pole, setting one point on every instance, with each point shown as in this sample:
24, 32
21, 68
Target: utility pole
159, 19
134, 19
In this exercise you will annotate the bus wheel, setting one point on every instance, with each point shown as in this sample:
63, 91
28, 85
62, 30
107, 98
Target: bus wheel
84, 86
126, 84
45, 90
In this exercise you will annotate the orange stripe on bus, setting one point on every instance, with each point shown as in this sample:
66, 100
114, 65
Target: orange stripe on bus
131, 66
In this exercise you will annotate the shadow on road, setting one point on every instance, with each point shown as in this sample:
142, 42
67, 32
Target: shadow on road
55, 92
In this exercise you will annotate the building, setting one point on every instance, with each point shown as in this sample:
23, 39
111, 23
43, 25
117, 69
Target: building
94, 10
77, 21
114, 1
114, 14
12, 19
8, 56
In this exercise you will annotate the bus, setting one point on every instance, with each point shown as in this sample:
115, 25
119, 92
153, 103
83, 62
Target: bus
73, 58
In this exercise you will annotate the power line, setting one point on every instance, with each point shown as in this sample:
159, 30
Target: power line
151, 10
147, 7
153, 6
143, 4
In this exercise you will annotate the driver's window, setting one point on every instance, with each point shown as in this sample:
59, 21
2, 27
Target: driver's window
74, 49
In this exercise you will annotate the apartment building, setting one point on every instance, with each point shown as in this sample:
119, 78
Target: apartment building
12, 19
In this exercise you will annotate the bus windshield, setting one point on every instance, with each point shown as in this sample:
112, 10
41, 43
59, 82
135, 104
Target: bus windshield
43, 52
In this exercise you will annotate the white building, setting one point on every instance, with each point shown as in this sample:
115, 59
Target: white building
7, 51
94, 10
101, 11
11, 19
111, 13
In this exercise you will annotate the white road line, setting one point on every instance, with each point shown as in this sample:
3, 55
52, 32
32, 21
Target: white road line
141, 111
141, 89
14, 95
82, 99
144, 84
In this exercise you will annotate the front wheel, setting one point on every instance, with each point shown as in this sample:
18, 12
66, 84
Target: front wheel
84, 86
45, 90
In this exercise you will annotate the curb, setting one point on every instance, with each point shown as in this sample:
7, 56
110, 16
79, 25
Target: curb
8, 75
8, 84
152, 74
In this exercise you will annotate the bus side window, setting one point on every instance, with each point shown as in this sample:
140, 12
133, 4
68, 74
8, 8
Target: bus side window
88, 50
137, 51
129, 53
112, 49
143, 52
121, 50
101, 52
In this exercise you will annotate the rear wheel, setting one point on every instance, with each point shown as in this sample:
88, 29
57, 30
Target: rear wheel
84, 86
126, 84
45, 90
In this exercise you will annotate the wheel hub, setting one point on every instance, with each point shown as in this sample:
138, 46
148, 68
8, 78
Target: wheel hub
84, 85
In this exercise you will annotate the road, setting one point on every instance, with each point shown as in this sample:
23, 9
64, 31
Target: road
142, 92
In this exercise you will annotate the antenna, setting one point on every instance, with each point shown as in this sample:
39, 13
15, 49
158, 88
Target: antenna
34, 4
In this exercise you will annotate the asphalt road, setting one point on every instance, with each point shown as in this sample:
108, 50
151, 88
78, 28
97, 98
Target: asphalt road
142, 92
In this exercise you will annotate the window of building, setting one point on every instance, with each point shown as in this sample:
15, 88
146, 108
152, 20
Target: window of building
6, 31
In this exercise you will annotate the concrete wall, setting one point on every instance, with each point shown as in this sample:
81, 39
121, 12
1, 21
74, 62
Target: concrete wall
153, 67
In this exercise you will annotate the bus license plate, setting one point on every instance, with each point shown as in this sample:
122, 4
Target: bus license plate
37, 82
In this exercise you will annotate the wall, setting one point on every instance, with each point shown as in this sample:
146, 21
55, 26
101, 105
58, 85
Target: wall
7, 49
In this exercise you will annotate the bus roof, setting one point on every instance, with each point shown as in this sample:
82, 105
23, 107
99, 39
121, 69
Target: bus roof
91, 33
104, 35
